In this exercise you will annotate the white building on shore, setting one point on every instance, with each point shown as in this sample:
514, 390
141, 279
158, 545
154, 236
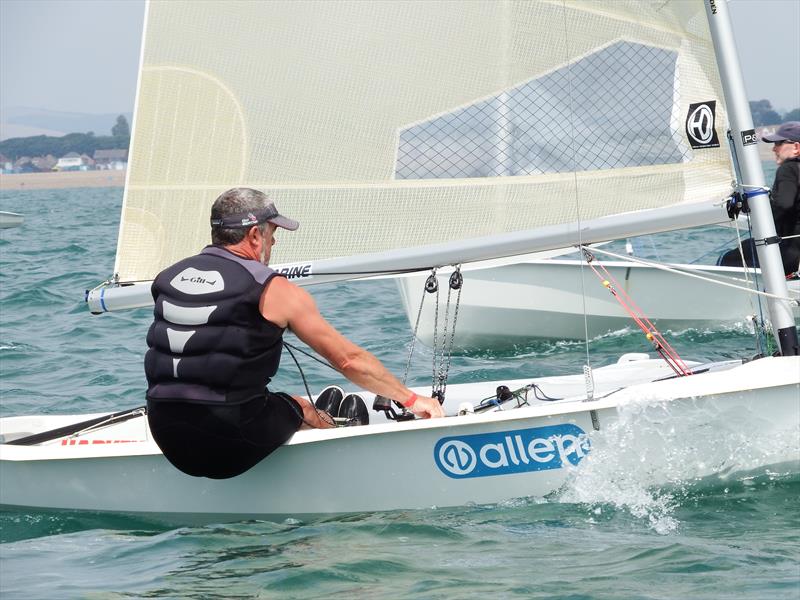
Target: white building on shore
71, 162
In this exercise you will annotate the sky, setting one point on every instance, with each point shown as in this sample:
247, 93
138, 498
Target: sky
70, 55
82, 55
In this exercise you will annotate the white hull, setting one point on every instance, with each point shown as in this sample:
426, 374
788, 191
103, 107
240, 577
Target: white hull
737, 419
10, 219
506, 305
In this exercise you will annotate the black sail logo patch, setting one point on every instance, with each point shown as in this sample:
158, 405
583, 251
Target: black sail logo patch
701, 125
749, 137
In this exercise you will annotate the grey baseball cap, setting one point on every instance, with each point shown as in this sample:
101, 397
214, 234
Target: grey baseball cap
256, 217
789, 131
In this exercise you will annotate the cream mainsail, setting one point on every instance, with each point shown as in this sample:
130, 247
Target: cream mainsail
392, 123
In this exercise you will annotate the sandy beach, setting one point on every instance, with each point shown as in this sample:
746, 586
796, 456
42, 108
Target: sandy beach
62, 179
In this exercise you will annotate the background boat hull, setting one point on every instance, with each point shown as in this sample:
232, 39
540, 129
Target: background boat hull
505, 305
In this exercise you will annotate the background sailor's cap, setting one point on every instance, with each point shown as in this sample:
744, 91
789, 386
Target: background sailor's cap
789, 131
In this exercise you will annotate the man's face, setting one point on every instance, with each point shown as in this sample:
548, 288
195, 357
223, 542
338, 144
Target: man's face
785, 150
268, 240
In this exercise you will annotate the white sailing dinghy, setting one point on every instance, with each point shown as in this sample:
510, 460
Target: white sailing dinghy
10, 219
359, 118
501, 306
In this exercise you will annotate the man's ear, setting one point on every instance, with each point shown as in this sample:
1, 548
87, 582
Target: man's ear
251, 235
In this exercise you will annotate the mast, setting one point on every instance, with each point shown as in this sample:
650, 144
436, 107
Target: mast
744, 140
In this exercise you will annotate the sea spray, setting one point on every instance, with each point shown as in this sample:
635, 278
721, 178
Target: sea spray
684, 443
617, 472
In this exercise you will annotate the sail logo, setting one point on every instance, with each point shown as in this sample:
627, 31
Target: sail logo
295, 271
194, 282
508, 452
700, 125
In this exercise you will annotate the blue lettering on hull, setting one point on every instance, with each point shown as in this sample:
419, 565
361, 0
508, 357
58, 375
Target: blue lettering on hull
506, 452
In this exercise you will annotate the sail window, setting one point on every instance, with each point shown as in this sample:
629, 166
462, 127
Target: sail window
610, 109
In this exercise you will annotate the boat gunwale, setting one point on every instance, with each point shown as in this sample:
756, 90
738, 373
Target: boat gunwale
716, 382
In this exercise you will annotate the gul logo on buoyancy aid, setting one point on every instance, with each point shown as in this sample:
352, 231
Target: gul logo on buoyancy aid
195, 282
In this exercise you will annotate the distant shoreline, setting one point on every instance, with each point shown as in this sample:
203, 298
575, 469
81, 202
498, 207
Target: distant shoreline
76, 179
62, 179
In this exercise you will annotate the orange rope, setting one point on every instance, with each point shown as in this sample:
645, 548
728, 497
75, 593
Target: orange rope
652, 334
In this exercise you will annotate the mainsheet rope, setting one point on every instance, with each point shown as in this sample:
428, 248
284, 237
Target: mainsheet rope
442, 353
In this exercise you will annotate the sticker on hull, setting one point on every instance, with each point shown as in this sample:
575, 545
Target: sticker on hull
515, 451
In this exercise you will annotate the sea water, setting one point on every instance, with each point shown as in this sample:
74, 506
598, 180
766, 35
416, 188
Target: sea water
608, 535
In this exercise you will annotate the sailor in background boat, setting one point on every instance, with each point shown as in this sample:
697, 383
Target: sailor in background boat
784, 199
216, 342
785, 196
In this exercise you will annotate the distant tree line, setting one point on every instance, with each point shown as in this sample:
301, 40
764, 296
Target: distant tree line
87, 143
82, 143
764, 114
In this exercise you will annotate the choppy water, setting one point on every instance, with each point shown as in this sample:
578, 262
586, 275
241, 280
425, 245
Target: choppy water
610, 536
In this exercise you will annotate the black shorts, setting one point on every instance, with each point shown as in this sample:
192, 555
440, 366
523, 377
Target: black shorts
222, 441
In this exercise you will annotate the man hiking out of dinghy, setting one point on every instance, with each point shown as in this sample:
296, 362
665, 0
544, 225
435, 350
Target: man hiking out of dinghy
784, 200
216, 342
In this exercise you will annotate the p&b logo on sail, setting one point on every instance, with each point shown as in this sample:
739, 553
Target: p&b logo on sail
506, 452
701, 125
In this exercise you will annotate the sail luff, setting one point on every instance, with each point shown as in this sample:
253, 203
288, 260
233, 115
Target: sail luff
131, 146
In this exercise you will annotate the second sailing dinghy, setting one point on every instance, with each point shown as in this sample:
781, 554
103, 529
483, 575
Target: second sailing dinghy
10, 219
394, 132
502, 306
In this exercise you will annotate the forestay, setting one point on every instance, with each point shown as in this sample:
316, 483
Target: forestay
399, 124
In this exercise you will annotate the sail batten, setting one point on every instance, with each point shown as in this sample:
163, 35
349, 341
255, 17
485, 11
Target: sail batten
394, 124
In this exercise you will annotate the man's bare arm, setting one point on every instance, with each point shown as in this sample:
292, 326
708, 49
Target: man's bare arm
288, 305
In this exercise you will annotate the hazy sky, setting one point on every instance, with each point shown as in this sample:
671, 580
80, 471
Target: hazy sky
82, 55
70, 55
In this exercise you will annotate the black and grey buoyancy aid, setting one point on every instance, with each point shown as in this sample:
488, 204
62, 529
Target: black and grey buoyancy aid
209, 342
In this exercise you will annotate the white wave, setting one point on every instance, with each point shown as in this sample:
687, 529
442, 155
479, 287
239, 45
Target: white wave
643, 461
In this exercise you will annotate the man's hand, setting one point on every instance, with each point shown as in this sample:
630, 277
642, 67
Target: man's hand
427, 407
